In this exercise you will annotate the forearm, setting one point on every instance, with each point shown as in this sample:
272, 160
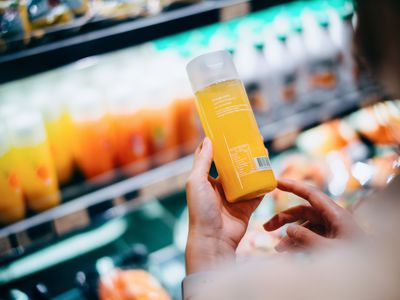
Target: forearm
206, 252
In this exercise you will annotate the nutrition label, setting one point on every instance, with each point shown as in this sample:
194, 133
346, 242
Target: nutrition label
242, 159
245, 163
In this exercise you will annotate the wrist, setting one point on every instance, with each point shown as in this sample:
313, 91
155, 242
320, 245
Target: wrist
205, 252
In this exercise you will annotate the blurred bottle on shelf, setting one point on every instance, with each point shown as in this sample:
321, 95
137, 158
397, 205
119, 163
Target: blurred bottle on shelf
342, 32
161, 122
282, 68
297, 49
78, 7
35, 166
58, 126
12, 206
14, 24
187, 124
93, 144
159, 111
323, 54
132, 147
44, 13
251, 66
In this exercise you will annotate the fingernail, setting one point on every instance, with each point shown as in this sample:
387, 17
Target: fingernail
291, 230
206, 143
267, 226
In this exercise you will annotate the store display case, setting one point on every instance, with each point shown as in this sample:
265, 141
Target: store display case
98, 126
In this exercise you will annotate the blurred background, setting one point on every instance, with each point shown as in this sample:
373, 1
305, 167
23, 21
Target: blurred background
98, 125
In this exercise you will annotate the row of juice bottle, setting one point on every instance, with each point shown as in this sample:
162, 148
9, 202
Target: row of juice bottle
43, 143
284, 55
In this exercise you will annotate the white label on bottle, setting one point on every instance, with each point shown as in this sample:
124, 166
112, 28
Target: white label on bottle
241, 157
262, 163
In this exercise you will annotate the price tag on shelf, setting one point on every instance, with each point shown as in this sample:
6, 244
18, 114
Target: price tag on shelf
165, 187
71, 222
234, 11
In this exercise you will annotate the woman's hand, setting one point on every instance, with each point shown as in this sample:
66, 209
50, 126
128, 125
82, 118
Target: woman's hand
323, 220
215, 225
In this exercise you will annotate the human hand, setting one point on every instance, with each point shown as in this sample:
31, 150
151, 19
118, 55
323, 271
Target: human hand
324, 220
215, 225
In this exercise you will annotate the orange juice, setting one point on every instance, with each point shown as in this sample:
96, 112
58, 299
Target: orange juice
12, 206
186, 124
93, 144
35, 166
162, 134
131, 142
225, 112
94, 147
59, 133
132, 150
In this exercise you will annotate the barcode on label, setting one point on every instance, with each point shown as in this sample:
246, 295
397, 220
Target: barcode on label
262, 163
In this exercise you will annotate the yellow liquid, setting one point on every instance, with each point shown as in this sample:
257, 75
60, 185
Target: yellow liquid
228, 121
38, 176
12, 206
59, 133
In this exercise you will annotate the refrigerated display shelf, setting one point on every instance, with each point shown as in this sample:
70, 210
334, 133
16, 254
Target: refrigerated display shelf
54, 54
116, 199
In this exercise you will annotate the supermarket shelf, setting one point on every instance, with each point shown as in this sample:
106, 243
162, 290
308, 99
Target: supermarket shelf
54, 54
117, 199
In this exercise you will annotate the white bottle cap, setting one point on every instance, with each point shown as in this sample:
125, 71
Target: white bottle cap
27, 128
211, 68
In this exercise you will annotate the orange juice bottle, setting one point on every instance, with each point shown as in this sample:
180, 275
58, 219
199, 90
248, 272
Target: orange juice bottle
132, 149
35, 166
186, 124
239, 153
58, 127
93, 144
160, 121
12, 206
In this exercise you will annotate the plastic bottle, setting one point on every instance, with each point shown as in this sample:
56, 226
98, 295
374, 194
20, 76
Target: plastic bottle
298, 51
159, 113
58, 127
323, 53
341, 31
239, 153
35, 166
12, 206
250, 62
187, 124
132, 149
93, 145
282, 68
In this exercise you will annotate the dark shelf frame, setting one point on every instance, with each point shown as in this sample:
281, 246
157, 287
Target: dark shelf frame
30, 61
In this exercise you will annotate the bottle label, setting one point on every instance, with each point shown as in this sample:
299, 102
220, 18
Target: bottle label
262, 163
245, 163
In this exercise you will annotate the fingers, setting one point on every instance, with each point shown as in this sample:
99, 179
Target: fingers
304, 237
285, 244
318, 200
293, 214
202, 160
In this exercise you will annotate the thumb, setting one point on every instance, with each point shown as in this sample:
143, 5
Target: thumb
202, 160
304, 237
